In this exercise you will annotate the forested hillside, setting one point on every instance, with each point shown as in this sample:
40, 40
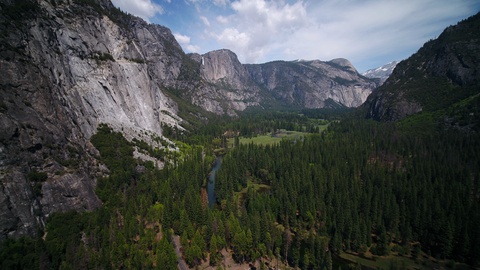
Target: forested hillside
365, 187
360, 188
441, 80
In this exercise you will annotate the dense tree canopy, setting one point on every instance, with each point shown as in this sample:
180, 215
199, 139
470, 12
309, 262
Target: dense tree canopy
358, 187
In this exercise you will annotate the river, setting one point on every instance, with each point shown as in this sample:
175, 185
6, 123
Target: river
211, 182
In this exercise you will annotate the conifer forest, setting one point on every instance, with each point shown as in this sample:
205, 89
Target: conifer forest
341, 186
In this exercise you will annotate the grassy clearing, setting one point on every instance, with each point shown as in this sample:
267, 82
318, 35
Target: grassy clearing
399, 262
271, 138
383, 262
255, 187
322, 127
239, 197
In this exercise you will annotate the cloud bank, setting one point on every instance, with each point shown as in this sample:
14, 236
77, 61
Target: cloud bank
145, 9
258, 26
369, 33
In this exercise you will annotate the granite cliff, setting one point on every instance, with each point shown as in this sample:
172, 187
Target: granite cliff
309, 84
66, 67
69, 65
227, 86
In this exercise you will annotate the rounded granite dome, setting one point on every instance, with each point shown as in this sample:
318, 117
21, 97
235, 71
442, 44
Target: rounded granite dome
343, 63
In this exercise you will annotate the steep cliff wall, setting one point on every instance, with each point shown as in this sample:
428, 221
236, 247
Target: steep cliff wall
66, 67
226, 86
310, 83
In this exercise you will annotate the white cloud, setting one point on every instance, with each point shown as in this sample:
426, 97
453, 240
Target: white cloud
220, 3
363, 31
232, 37
258, 24
222, 19
145, 9
205, 20
360, 30
182, 39
185, 43
192, 48
367, 32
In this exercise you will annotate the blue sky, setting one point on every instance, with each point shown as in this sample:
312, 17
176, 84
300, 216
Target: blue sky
369, 33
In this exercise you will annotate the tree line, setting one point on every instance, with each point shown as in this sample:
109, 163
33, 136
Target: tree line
360, 186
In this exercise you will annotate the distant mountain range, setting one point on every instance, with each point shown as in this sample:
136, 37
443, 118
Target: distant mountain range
382, 72
224, 85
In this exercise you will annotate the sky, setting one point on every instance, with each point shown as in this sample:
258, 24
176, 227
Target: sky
369, 33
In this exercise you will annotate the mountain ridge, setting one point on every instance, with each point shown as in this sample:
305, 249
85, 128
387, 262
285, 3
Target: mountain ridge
442, 72
296, 83
260, 85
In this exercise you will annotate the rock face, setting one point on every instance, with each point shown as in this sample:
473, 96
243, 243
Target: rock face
69, 65
308, 84
442, 72
66, 67
225, 84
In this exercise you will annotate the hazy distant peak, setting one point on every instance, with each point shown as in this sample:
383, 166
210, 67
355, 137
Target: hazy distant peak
341, 61
344, 63
382, 72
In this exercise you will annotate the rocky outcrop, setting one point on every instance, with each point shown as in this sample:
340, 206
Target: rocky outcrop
310, 83
66, 67
223, 66
380, 108
225, 84
442, 72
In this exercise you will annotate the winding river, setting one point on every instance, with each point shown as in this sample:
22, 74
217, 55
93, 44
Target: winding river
211, 182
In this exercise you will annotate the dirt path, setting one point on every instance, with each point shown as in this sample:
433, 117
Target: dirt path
230, 264
182, 265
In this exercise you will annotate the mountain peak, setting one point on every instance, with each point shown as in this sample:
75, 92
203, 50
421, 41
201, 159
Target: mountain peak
382, 72
342, 62
441, 73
